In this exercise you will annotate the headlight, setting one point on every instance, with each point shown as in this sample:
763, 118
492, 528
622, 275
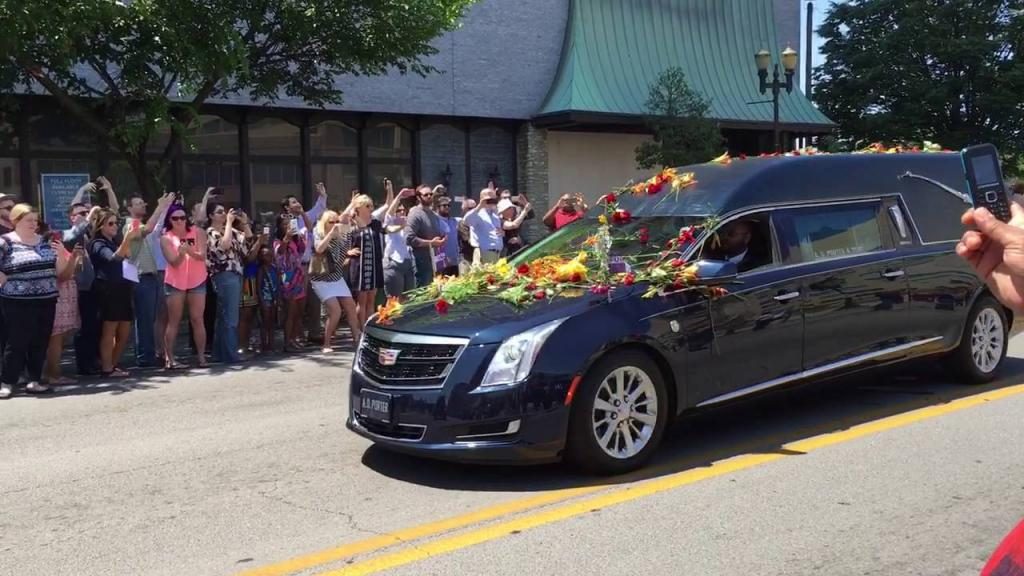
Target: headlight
514, 358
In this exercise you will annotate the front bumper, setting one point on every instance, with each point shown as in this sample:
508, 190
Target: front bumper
457, 423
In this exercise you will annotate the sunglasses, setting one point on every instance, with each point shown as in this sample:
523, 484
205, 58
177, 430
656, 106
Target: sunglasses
218, 211
178, 218
491, 201
427, 195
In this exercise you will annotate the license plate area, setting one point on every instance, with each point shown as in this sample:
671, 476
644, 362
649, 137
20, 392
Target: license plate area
375, 405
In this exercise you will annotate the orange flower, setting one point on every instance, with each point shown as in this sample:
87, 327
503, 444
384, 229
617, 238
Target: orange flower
386, 312
723, 159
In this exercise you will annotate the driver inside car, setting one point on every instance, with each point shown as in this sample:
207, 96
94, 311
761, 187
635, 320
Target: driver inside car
736, 244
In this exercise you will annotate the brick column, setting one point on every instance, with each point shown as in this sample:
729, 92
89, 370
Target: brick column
532, 144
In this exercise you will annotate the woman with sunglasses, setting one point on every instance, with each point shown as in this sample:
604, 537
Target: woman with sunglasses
29, 267
114, 293
331, 244
224, 257
184, 247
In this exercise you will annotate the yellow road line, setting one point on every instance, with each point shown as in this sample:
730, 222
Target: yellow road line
626, 494
422, 531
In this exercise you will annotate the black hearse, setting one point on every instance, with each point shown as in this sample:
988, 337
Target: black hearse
848, 264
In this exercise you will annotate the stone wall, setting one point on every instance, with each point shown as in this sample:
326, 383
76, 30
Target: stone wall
532, 146
443, 144
491, 147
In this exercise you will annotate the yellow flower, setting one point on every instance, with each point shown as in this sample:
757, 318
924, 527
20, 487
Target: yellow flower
502, 267
723, 159
602, 219
581, 258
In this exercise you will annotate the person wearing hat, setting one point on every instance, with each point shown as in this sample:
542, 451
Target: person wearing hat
451, 235
486, 232
512, 218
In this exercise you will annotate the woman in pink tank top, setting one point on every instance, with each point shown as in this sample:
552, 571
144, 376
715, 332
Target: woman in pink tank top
184, 247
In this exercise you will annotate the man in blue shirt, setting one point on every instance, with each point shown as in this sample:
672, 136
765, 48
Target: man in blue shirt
451, 236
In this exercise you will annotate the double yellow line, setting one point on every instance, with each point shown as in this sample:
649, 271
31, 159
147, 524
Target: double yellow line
541, 509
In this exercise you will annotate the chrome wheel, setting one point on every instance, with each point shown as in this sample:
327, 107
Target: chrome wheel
625, 412
987, 340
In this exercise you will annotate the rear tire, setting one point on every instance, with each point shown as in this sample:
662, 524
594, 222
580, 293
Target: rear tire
983, 345
619, 415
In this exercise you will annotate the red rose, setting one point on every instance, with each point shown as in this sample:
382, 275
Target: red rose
441, 306
599, 289
531, 286
577, 277
743, 156
629, 279
677, 284
540, 294
653, 188
621, 216
678, 263
490, 279
610, 198
686, 235
644, 237
523, 269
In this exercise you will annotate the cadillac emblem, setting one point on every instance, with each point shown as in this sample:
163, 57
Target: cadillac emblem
387, 357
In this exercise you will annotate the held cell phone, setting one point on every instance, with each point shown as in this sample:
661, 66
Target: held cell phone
985, 180
266, 230
190, 241
55, 236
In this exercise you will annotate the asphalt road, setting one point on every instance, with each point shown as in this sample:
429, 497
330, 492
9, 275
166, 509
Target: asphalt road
250, 470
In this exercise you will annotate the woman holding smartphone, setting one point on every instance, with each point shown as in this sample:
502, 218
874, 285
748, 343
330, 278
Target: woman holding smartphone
184, 248
288, 251
332, 247
114, 292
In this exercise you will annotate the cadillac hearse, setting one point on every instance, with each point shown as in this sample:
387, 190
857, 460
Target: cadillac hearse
830, 264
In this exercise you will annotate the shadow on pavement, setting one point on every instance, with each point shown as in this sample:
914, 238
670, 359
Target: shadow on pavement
141, 379
762, 425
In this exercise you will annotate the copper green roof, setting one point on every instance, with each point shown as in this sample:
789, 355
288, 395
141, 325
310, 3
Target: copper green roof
614, 49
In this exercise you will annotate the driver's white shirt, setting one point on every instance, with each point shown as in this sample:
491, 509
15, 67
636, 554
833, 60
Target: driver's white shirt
738, 258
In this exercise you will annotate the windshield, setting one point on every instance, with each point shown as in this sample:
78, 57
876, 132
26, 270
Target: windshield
626, 239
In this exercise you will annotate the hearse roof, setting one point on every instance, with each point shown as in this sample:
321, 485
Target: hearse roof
741, 185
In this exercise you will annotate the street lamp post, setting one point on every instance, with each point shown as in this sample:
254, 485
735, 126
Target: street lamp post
789, 61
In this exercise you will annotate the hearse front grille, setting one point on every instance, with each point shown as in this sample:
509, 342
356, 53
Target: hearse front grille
409, 432
419, 361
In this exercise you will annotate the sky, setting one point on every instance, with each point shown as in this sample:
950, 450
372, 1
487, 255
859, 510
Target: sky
821, 8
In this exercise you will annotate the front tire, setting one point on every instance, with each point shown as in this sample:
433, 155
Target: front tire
984, 343
620, 414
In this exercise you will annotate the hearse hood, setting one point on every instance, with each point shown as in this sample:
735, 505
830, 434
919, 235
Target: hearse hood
487, 320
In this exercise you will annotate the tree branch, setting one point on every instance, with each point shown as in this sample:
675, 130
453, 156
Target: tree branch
76, 108
200, 97
105, 75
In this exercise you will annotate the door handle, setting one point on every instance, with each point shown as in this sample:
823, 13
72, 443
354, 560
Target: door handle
892, 274
787, 296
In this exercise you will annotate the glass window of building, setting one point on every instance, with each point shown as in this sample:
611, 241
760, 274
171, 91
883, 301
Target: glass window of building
211, 159
334, 147
56, 131
211, 135
389, 155
275, 165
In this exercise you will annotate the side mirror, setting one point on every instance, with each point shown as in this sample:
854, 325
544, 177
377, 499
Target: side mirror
715, 272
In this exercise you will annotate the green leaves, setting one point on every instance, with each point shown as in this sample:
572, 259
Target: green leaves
944, 70
682, 132
127, 69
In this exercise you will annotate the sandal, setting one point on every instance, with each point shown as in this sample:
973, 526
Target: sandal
115, 373
203, 363
62, 381
172, 365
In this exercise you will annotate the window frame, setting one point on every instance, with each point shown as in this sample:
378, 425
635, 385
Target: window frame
885, 235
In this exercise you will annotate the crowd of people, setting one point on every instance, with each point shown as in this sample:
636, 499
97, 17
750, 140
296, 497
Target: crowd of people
125, 275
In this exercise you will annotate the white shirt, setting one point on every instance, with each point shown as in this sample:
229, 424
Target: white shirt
314, 215
738, 258
483, 230
396, 248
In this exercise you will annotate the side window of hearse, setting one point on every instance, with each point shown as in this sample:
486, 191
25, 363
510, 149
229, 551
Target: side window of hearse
836, 231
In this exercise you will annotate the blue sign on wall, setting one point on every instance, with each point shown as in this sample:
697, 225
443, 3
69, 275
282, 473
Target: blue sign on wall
57, 191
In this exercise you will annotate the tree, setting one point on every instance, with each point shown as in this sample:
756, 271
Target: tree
941, 70
127, 69
677, 115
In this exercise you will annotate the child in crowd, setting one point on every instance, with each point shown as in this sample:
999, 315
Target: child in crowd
269, 281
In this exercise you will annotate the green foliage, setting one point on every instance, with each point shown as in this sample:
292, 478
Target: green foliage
128, 68
683, 134
940, 70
